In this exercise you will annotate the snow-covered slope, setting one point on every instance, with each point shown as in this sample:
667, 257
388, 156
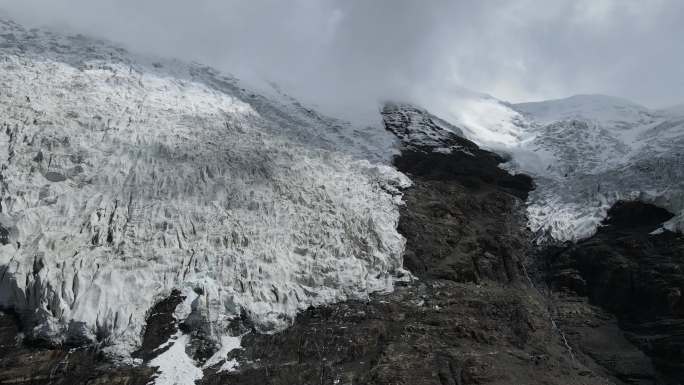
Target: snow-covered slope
674, 111
588, 151
606, 109
585, 153
593, 150
125, 177
480, 117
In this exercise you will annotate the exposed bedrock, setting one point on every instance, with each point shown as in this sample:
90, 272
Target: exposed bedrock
22, 362
635, 273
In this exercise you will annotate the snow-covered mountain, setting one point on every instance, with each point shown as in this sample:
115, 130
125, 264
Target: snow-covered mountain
607, 109
588, 151
585, 153
480, 117
124, 177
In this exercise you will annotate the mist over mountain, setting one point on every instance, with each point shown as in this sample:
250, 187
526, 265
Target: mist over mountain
346, 57
341, 193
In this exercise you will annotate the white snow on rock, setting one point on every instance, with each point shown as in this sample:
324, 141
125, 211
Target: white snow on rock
123, 178
417, 128
602, 108
489, 122
174, 366
585, 153
593, 151
228, 344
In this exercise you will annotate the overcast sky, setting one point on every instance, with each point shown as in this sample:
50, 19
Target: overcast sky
344, 53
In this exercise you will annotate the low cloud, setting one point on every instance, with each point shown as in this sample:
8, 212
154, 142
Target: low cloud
347, 55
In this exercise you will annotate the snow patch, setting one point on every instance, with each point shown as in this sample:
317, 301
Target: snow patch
228, 344
483, 119
601, 108
174, 366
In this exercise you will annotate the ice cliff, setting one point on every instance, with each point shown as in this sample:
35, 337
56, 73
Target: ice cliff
125, 177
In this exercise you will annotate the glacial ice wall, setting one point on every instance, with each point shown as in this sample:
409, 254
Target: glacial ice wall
121, 182
589, 151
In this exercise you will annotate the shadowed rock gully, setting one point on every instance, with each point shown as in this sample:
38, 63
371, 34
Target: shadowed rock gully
630, 280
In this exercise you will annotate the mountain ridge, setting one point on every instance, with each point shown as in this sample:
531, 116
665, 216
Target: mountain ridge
161, 212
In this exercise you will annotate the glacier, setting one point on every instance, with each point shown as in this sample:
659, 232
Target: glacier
598, 150
585, 152
125, 177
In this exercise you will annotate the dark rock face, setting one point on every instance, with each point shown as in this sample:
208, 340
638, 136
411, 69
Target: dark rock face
442, 332
639, 278
160, 326
4, 236
462, 220
53, 176
30, 362
22, 363
463, 234
433, 151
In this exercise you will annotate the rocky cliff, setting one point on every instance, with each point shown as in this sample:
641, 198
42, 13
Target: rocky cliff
624, 281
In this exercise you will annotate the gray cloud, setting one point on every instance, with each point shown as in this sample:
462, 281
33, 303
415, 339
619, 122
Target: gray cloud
345, 55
